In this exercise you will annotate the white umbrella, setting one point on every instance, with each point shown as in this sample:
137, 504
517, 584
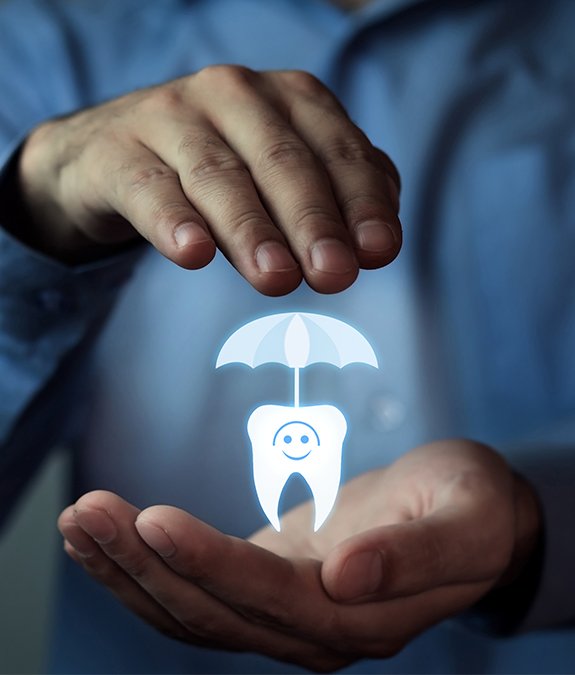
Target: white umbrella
296, 340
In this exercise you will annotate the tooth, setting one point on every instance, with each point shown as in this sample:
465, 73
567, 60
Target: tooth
288, 440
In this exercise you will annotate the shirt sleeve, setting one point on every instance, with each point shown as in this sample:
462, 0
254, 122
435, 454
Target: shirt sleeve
48, 313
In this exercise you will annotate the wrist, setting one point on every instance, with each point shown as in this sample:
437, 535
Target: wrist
527, 532
32, 216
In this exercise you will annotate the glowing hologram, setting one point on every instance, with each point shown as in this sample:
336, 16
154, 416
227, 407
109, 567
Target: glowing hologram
296, 340
306, 440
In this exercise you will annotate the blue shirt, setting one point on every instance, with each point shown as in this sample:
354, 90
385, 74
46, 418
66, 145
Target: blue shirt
474, 324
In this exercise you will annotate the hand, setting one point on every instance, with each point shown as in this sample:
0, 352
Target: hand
405, 548
265, 165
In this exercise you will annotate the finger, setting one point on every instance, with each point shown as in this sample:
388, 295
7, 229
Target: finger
206, 620
294, 187
364, 180
148, 194
447, 547
285, 595
219, 185
86, 552
109, 520
271, 590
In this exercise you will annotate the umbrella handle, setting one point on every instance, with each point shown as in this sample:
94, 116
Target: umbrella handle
296, 387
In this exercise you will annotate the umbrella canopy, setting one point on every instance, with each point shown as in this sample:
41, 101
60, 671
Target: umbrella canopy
296, 340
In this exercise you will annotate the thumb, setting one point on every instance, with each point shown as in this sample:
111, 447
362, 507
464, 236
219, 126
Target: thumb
407, 558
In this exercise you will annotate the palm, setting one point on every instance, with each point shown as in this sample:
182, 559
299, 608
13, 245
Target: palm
415, 486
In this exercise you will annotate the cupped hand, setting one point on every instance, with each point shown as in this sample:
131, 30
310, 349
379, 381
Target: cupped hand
406, 547
267, 166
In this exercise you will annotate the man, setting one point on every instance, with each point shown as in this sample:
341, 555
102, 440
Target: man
264, 163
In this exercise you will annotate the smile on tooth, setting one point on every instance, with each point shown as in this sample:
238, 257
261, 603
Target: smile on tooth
306, 440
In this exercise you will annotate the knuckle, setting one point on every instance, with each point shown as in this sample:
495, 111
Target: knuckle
136, 566
306, 215
169, 214
345, 152
142, 179
249, 226
165, 99
41, 138
194, 140
305, 83
229, 76
284, 152
215, 164
361, 206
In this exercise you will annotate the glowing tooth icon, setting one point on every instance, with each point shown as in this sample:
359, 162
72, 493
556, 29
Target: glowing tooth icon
306, 440
310, 445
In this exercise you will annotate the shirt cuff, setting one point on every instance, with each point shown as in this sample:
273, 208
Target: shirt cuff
551, 472
36, 288
542, 596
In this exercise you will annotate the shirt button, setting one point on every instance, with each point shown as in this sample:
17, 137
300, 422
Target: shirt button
388, 412
51, 299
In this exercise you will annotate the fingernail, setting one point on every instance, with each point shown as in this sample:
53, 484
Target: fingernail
156, 537
333, 256
361, 575
375, 236
190, 233
97, 524
271, 256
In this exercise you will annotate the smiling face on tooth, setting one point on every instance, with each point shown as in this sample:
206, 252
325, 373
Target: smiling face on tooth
296, 440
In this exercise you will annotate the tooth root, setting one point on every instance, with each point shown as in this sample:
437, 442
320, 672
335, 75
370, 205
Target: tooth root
324, 502
269, 486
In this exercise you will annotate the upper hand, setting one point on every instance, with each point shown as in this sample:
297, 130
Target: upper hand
267, 166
